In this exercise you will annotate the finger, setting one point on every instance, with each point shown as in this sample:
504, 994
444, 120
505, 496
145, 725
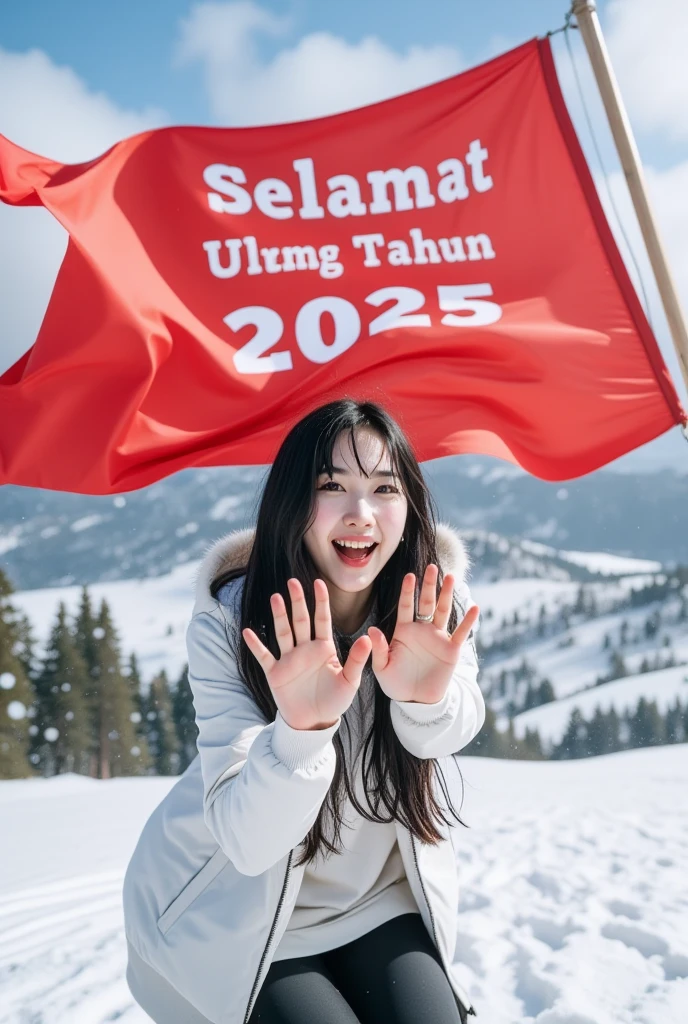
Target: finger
463, 629
258, 650
300, 619
406, 599
380, 649
323, 616
428, 591
355, 663
283, 631
444, 602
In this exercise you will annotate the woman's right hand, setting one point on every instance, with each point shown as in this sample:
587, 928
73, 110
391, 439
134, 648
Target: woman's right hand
310, 687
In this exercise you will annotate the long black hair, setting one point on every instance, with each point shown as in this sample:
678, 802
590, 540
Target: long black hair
397, 784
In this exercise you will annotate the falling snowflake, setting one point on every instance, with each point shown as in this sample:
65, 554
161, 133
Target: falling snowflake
51, 734
7, 680
99, 632
135, 751
66, 687
135, 717
69, 715
16, 710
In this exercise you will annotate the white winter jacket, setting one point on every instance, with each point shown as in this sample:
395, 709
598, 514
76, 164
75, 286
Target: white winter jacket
212, 883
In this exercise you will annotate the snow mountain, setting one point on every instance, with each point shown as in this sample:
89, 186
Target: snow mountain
50, 538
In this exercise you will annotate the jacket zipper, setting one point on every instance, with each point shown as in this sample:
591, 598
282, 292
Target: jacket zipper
469, 1010
249, 1008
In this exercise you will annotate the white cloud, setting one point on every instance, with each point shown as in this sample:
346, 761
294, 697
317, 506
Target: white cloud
49, 110
320, 74
647, 42
667, 186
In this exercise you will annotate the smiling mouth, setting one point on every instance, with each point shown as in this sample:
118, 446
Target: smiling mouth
354, 556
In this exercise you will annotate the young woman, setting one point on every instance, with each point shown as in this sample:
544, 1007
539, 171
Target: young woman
303, 868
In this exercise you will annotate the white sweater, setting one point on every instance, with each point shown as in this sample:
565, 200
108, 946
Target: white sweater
343, 896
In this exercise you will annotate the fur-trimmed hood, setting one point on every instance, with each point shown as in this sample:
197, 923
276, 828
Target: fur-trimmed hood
233, 549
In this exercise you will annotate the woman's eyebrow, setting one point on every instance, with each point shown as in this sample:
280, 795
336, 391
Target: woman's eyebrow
347, 472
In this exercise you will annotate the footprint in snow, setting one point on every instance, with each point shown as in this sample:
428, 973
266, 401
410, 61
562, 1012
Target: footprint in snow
623, 909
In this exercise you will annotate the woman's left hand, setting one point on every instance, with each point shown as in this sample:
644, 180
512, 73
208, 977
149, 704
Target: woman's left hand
419, 662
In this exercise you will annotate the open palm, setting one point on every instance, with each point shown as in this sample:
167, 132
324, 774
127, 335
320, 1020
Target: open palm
310, 686
419, 662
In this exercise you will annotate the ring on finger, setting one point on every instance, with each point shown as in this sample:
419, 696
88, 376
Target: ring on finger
425, 618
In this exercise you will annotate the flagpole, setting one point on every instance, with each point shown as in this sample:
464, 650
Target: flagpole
585, 12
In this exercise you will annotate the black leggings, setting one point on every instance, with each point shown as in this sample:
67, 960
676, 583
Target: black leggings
392, 975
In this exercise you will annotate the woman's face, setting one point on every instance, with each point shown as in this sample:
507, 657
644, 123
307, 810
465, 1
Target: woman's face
353, 509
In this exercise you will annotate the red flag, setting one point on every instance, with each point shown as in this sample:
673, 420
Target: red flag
444, 253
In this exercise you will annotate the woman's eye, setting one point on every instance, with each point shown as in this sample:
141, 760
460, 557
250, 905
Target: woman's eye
391, 489
329, 485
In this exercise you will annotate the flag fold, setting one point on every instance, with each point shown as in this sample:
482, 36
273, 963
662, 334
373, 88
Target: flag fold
444, 253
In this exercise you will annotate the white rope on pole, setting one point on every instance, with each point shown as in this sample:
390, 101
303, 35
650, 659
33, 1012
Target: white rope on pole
585, 12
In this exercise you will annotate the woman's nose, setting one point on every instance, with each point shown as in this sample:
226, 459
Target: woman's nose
359, 513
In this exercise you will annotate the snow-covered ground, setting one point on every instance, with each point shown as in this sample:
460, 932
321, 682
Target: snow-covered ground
574, 900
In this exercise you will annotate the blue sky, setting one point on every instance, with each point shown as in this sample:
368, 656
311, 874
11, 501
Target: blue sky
75, 77
124, 48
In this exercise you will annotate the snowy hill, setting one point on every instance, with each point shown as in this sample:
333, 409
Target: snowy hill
532, 628
151, 615
595, 643
551, 720
572, 908
50, 538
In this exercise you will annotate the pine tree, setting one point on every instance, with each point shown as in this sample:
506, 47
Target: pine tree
574, 742
647, 727
511, 743
617, 666
16, 691
140, 750
613, 726
61, 741
116, 747
546, 692
84, 635
162, 735
490, 741
25, 644
185, 720
673, 724
597, 734
532, 746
